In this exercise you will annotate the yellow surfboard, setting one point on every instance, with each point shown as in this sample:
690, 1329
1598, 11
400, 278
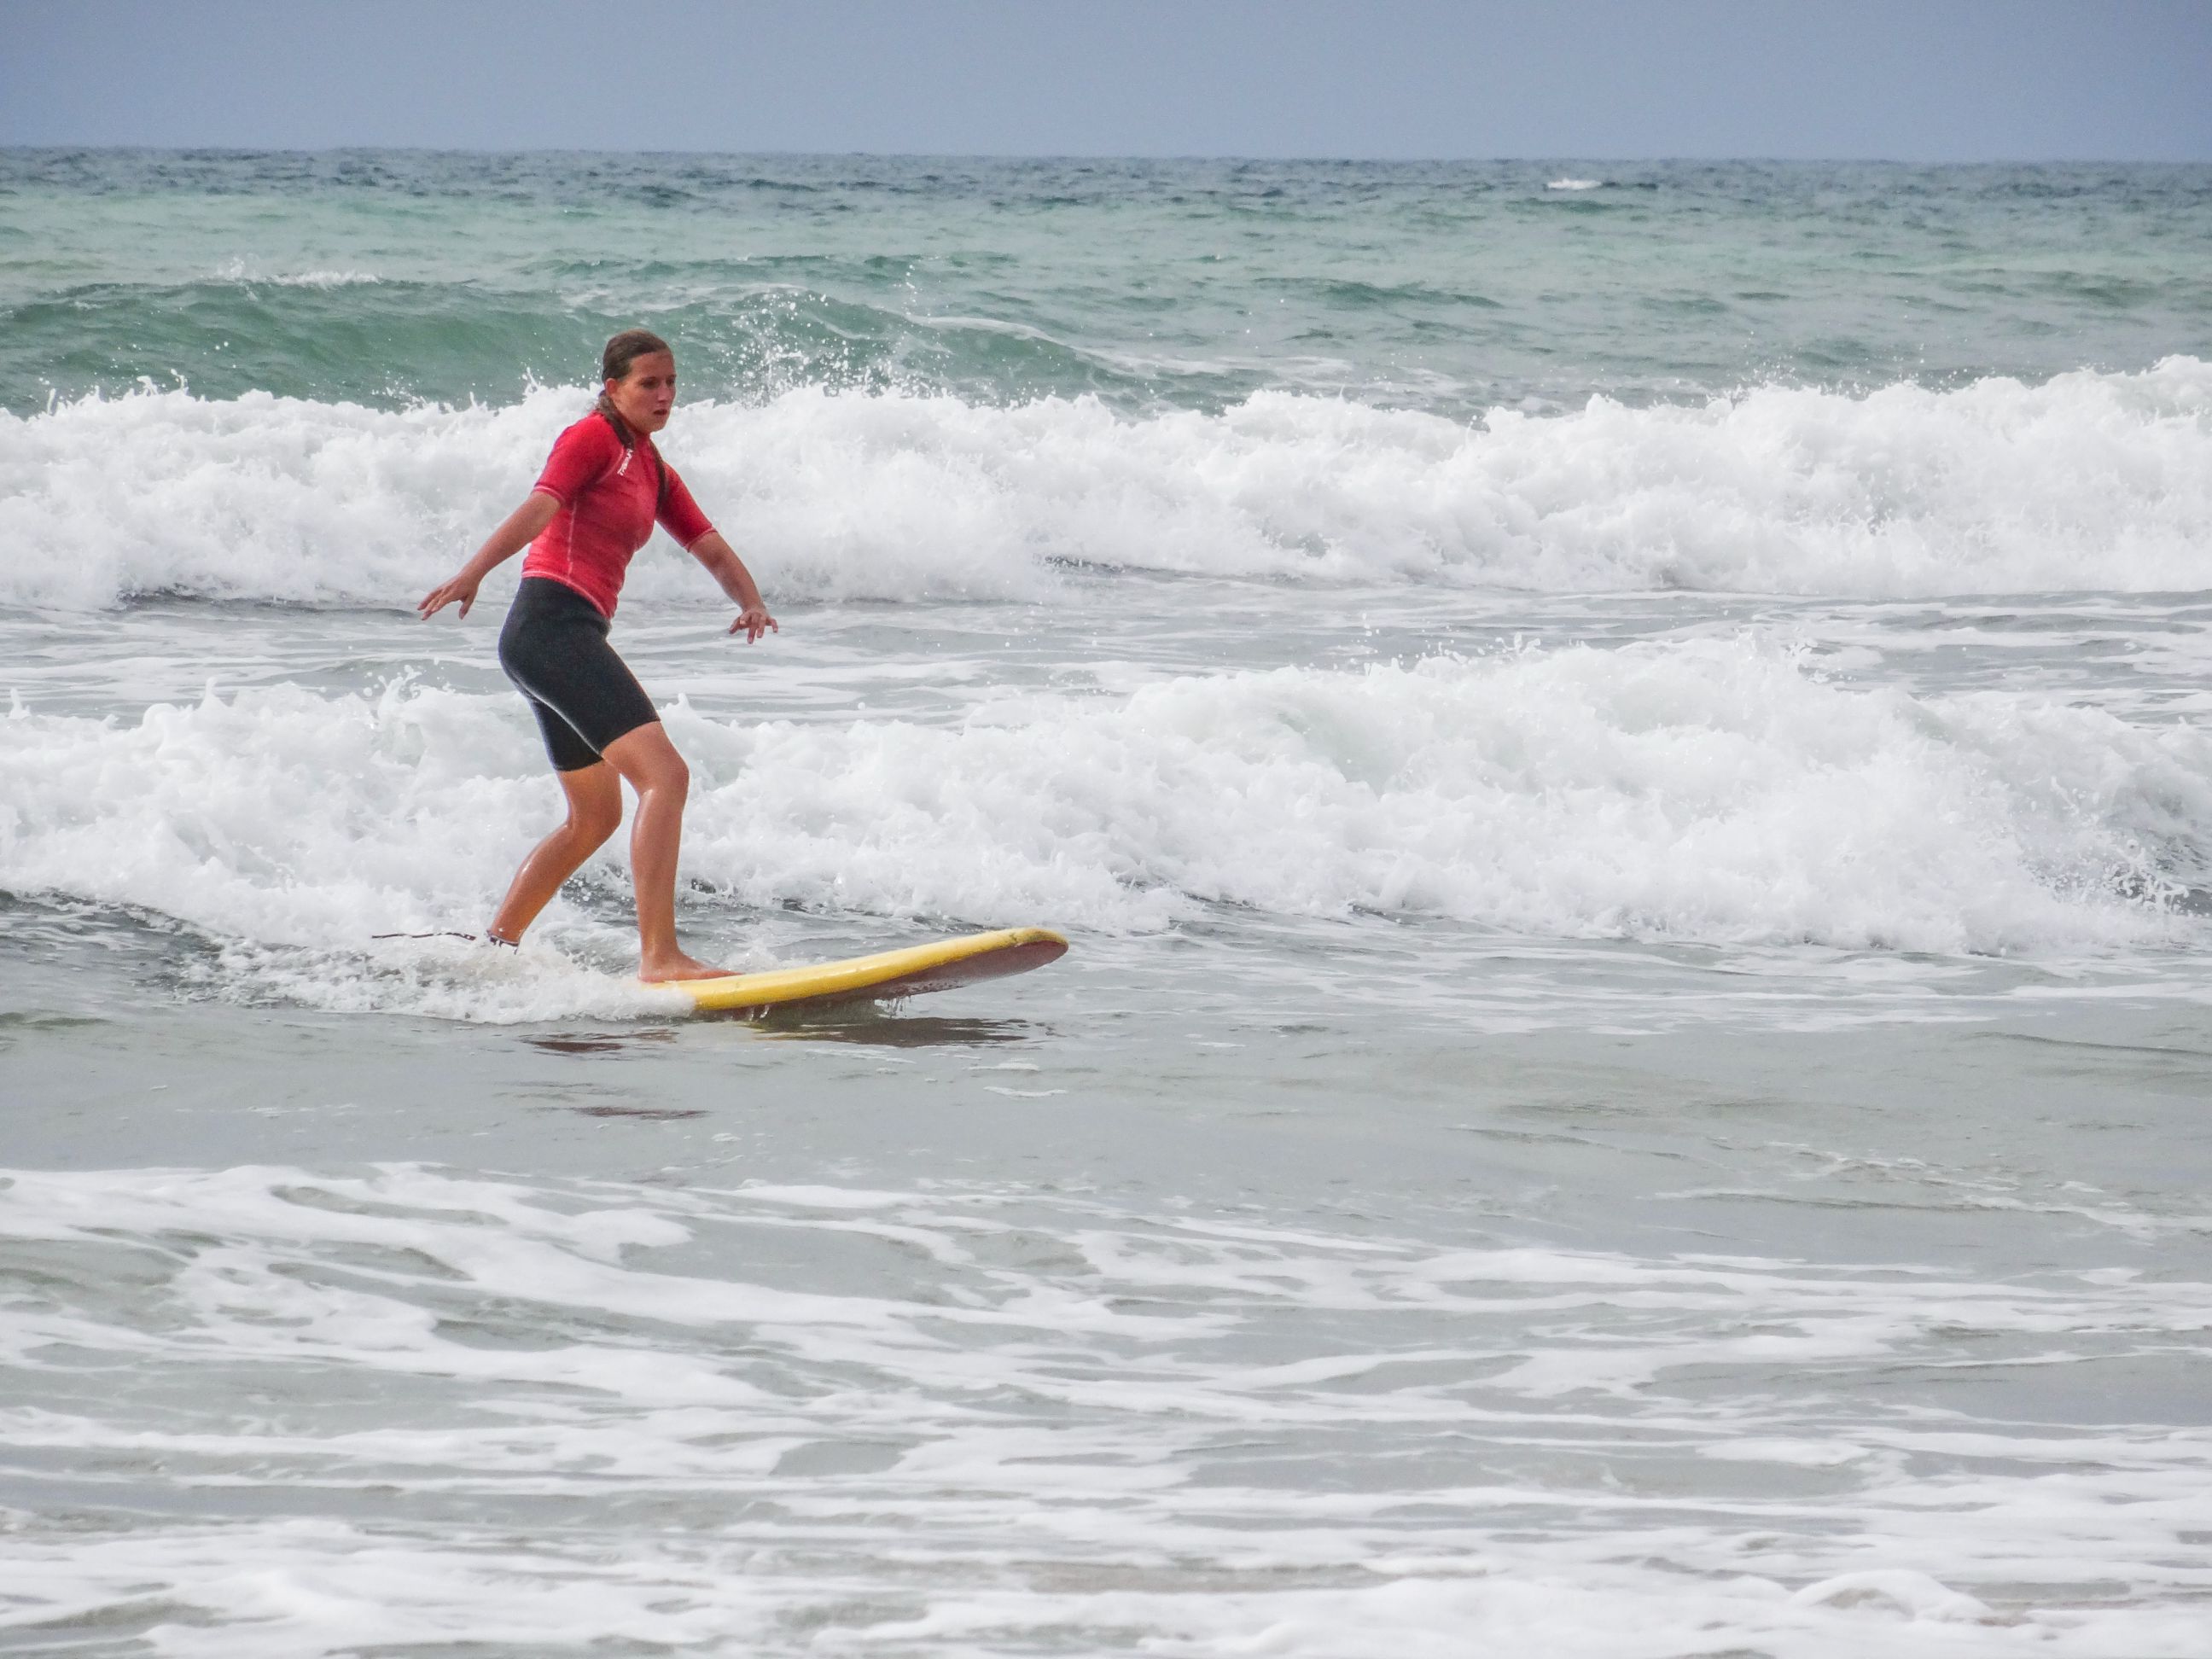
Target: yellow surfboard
882, 978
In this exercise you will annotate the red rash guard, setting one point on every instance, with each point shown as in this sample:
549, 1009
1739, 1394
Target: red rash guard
608, 496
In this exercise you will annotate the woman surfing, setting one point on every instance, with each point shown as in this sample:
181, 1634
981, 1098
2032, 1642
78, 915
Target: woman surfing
603, 490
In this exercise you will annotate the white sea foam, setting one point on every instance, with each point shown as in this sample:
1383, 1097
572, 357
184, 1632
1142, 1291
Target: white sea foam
985, 1420
1576, 184
2089, 481
239, 272
1710, 790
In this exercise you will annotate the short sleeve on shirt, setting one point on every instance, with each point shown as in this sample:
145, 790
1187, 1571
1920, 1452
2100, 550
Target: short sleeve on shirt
580, 457
679, 514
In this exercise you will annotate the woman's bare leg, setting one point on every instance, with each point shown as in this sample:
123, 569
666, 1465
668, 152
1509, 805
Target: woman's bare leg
594, 795
649, 764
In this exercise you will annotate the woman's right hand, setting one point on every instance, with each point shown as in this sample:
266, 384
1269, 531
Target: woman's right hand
462, 588
516, 532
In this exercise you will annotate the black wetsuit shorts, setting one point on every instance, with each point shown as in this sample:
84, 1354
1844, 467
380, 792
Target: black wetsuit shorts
554, 649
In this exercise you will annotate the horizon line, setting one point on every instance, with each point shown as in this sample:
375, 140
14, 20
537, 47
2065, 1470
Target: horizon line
1560, 158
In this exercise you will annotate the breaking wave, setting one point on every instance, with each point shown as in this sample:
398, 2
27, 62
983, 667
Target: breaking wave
2088, 481
1707, 791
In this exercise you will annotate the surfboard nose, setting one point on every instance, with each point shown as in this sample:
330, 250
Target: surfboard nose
886, 977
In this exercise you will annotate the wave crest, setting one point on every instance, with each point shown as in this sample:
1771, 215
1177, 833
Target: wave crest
2088, 481
1705, 791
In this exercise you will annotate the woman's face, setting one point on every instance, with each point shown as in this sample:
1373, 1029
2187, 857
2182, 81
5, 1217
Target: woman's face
645, 395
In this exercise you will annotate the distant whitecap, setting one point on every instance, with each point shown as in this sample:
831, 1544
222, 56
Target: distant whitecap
237, 271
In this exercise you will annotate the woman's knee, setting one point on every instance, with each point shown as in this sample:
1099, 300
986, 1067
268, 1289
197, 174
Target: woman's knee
592, 822
594, 795
650, 763
670, 780
660, 774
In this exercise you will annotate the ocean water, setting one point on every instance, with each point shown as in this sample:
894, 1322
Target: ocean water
1623, 750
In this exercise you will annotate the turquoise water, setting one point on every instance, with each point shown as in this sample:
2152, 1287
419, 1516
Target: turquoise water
1452, 288
1622, 749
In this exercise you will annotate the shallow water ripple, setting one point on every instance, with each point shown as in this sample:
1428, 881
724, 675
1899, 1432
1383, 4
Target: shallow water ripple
828, 1418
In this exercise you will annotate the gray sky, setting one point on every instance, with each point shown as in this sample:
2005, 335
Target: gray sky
1921, 79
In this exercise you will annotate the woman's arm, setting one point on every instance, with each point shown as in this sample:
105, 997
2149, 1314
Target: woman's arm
727, 569
520, 528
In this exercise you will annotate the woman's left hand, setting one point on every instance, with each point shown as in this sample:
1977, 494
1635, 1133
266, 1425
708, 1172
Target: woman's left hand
755, 622
730, 573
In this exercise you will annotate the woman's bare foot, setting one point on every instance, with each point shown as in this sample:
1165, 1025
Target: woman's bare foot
659, 971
